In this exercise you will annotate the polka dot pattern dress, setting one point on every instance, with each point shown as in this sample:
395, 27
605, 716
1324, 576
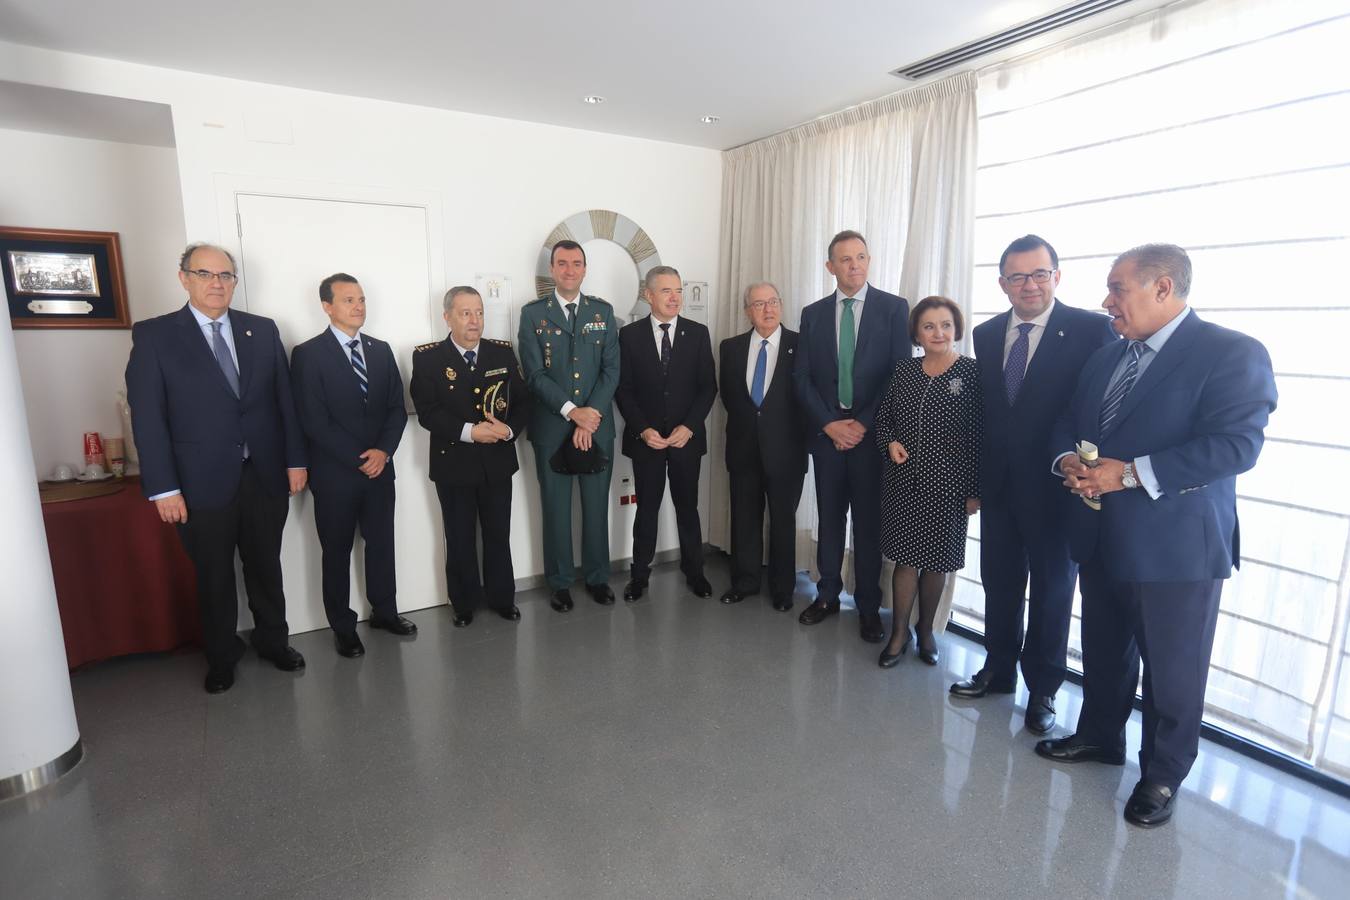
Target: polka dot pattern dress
923, 502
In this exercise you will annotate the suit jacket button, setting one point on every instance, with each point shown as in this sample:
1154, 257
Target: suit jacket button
577, 391
576, 374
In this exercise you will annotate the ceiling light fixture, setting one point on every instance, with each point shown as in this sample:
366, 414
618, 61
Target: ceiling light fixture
710, 120
593, 99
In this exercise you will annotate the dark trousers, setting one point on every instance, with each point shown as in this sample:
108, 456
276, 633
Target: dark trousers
1171, 626
849, 481
649, 477
463, 510
555, 497
252, 522
341, 505
751, 490
1018, 544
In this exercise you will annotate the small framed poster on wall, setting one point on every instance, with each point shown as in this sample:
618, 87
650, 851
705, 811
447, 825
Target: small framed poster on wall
63, 279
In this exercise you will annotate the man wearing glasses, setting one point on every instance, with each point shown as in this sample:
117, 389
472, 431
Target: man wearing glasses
221, 450
1029, 359
766, 448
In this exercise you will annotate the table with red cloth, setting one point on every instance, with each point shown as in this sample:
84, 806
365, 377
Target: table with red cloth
124, 584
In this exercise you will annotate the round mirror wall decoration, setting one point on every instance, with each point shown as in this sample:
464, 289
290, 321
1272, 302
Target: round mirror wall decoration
605, 225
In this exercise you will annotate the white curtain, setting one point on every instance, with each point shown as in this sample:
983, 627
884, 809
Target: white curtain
901, 170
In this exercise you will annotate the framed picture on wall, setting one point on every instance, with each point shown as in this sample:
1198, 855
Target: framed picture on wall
63, 279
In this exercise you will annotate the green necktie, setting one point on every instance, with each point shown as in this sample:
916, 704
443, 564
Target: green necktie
846, 342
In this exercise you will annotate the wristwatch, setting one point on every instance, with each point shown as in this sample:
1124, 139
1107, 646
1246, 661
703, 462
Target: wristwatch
1127, 478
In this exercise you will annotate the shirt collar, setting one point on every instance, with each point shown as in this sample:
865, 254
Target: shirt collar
205, 321
773, 339
342, 337
656, 325
563, 303
1155, 343
861, 296
463, 350
1014, 320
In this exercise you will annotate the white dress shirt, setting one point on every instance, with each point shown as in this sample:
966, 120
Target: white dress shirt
839, 298
344, 339
466, 433
656, 332
1033, 336
771, 360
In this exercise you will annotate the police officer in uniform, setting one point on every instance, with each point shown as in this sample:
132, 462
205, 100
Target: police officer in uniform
469, 393
569, 345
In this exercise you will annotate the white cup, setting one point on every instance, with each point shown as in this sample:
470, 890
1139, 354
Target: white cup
92, 471
63, 472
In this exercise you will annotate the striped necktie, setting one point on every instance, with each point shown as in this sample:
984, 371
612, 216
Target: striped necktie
359, 365
1115, 397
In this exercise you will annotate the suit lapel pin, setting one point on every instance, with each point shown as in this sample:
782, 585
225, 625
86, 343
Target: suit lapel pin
790, 351
450, 374
1061, 334
248, 334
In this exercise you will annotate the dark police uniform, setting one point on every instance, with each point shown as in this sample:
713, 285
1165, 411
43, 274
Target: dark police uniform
577, 363
473, 481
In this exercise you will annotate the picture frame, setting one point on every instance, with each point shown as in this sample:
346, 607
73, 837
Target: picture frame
62, 278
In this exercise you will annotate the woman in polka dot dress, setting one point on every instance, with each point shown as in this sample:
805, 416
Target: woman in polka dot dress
928, 429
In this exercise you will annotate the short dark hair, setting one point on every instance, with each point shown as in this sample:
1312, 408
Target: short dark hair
566, 245
326, 286
846, 235
203, 245
455, 291
935, 302
1025, 244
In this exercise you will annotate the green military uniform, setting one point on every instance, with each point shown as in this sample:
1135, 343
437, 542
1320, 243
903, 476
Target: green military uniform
574, 363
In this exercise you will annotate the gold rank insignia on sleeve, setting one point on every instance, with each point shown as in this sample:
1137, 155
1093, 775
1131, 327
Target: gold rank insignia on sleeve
499, 343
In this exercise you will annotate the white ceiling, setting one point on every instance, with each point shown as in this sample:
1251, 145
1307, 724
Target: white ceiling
761, 65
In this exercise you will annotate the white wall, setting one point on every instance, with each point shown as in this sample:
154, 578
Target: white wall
502, 186
70, 376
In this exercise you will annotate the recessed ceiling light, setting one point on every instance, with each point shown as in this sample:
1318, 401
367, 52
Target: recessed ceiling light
593, 99
710, 120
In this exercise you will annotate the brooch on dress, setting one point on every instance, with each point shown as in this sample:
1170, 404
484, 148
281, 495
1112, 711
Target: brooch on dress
955, 385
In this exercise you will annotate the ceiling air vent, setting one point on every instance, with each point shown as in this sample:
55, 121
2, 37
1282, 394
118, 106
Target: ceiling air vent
975, 49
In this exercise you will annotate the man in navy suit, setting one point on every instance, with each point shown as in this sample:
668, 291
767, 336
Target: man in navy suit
1029, 359
666, 388
220, 449
850, 343
766, 448
349, 394
1177, 411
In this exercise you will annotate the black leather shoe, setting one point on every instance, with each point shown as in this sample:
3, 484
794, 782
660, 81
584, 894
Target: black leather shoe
1071, 750
348, 644
782, 602
601, 593
930, 657
1040, 714
218, 681
510, 613
397, 625
818, 612
871, 629
287, 659
888, 660
982, 683
731, 597
700, 587
561, 601
634, 590
462, 619
1150, 805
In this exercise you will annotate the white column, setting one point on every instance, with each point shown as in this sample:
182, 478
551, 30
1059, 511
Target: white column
39, 739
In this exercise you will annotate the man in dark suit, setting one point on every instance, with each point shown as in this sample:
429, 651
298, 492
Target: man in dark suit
469, 393
569, 347
1029, 359
850, 343
221, 451
666, 389
349, 394
1177, 411
766, 448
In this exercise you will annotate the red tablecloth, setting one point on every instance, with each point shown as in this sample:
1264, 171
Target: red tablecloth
124, 584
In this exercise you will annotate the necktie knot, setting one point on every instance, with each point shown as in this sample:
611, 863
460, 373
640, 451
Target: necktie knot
351, 345
1137, 349
665, 326
469, 357
215, 327
1026, 327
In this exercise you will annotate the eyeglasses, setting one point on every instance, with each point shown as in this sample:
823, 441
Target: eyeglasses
758, 305
226, 278
1040, 276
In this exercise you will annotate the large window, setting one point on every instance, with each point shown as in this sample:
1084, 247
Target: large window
1222, 126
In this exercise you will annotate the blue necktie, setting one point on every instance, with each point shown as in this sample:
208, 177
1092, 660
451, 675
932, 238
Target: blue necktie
223, 358
469, 357
1016, 368
359, 365
1116, 396
761, 370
